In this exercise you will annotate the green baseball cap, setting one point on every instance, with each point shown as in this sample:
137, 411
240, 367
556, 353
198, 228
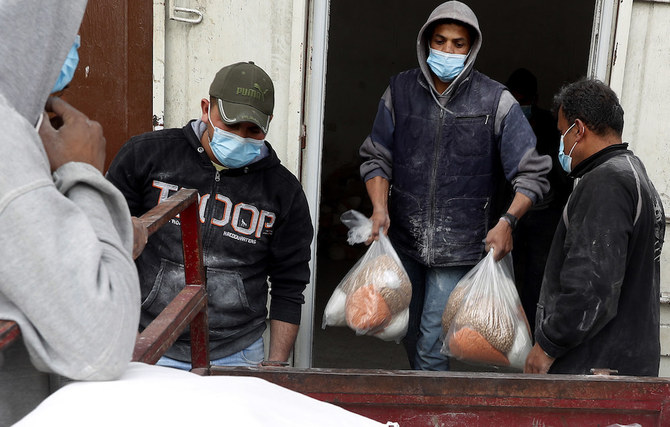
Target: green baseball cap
245, 93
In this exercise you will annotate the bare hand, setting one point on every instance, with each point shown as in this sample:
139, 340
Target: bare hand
537, 361
380, 219
140, 236
500, 239
77, 140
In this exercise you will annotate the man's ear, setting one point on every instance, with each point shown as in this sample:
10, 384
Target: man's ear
581, 127
204, 106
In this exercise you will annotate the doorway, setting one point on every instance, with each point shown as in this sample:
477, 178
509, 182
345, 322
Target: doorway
370, 41
112, 83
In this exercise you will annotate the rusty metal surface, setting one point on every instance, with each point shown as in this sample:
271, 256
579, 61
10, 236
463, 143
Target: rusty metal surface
190, 305
164, 330
474, 398
168, 209
113, 82
9, 332
195, 275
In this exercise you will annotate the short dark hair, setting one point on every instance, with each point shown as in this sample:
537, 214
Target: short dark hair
594, 103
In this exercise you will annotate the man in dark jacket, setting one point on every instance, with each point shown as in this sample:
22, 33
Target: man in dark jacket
599, 303
444, 141
255, 220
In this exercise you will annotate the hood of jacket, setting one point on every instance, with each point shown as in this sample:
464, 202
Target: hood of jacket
449, 10
36, 37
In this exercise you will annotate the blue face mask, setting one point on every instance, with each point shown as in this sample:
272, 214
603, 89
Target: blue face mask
232, 150
67, 71
446, 66
564, 159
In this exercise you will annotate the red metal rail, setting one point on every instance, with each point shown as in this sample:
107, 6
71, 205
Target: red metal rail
9, 331
416, 398
190, 305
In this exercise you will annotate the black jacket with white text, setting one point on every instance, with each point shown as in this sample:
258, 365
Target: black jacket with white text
255, 226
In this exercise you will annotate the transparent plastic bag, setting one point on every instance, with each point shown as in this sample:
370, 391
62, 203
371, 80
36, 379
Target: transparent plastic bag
373, 297
483, 322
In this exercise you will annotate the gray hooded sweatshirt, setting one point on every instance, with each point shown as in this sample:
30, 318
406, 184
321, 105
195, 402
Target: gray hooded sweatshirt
66, 272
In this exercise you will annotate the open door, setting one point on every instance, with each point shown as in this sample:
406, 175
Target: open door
112, 83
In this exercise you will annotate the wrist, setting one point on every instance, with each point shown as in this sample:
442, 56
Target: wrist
509, 219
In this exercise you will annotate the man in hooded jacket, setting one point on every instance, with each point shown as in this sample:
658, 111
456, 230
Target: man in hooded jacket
67, 277
443, 142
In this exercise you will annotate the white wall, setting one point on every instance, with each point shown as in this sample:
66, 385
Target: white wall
642, 84
187, 56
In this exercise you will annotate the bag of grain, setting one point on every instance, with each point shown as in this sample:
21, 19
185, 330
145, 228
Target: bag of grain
483, 322
373, 297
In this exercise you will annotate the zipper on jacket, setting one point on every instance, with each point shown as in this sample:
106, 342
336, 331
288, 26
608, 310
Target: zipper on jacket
206, 227
430, 232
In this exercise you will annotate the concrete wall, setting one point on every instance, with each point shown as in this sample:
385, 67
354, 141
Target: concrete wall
188, 55
644, 90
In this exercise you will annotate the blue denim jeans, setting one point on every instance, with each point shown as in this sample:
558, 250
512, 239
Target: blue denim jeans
431, 287
250, 356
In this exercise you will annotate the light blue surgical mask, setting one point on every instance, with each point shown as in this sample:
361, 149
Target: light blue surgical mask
564, 159
232, 150
67, 71
446, 66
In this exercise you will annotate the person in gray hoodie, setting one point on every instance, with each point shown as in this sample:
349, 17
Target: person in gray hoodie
67, 277
443, 143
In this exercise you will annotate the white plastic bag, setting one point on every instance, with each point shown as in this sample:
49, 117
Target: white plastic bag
483, 321
373, 297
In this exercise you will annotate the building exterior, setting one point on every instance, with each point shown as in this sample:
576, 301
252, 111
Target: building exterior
192, 39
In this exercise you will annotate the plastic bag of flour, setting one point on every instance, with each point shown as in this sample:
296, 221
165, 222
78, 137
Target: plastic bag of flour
483, 321
373, 297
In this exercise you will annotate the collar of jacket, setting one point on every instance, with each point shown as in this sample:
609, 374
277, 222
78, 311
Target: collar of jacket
451, 90
597, 159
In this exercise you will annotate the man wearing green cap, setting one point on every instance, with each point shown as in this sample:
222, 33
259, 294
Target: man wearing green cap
256, 226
